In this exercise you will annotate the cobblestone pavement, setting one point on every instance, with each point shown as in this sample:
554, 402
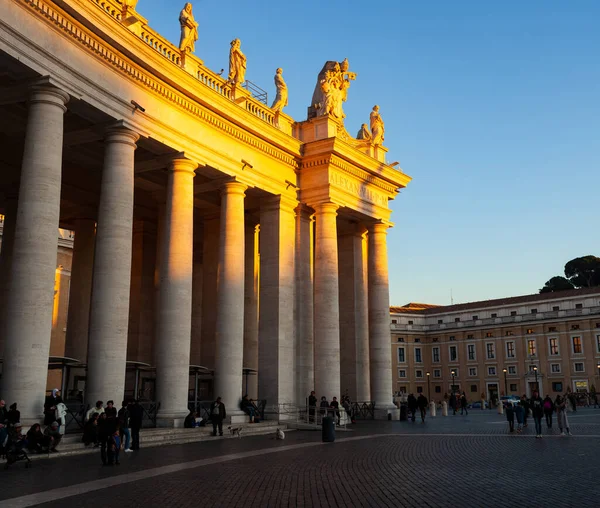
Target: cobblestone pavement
446, 462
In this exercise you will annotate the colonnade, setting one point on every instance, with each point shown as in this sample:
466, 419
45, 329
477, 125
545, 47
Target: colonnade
278, 311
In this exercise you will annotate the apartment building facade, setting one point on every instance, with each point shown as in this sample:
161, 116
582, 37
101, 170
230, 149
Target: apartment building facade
506, 346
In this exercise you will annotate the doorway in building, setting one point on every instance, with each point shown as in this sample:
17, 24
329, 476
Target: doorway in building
492, 389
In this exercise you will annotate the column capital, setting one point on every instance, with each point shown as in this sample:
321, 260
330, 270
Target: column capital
233, 187
304, 212
49, 94
279, 202
378, 228
182, 164
326, 208
119, 134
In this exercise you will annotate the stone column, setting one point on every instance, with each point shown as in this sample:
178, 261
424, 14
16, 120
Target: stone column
210, 268
8, 240
107, 347
251, 285
197, 283
276, 345
361, 316
31, 289
229, 349
305, 366
326, 310
76, 341
379, 321
175, 308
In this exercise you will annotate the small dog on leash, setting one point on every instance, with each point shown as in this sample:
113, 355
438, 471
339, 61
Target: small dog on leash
236, 431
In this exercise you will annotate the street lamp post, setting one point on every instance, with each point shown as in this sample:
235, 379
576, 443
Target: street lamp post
537, 386
429, 387
453, 395
505, 385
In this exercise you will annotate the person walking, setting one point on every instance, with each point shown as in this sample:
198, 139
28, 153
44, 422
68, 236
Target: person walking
412, 406
104, 435
422, 403
217, 414
136, 416
561, 415
519, 412
510, 417
312, 405
525, 404
463, 404
537, 409
123, 419
548, 410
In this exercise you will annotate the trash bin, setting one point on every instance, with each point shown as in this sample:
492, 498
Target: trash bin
328, 429
403, 413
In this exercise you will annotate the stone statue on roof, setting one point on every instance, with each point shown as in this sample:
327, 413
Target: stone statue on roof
331, 90
129, 4
364, 132
237, 63
189, 29
377, 127
281, 99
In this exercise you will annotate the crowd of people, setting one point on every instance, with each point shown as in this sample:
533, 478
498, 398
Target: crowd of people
540, 409
330, 408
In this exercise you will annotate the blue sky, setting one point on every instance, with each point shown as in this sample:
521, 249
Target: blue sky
491, 107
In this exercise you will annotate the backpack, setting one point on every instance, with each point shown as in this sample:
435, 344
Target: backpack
547, 405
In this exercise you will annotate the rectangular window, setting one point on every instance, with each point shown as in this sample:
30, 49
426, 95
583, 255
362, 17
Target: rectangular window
529, 331
489, 334
579, 306
401, 355
419, 389
418, 358
510, 349
470, 337
551, 329
491, 371
394, 321
438, 389
579, 367
491, 350
472, 371
509, 333
555, 367
400, 339
473, 388
418, 373
553, 346
534, 311
574, 327
440, 321
417, 339
494, 315
512, 370
455, 373
513, 387
437, 373
457, 320
471, 351
451, 338
577, 346
556, 308
435, 339
453, 355
531, 349
410, 322
513, 313
436, 354
401, 373
557, 387
475, 318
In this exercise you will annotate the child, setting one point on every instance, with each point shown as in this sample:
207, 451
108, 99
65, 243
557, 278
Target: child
510, 416
520, 413
114, 446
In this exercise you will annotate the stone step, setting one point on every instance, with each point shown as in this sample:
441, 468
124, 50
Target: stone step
71, 444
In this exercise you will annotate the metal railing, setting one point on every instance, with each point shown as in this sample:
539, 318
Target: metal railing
257, 92
202, 408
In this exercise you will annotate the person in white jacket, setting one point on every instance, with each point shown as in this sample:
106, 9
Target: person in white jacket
98, 409
561, 414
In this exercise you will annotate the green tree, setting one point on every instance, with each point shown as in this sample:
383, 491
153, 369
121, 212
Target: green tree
557, 283
584, 272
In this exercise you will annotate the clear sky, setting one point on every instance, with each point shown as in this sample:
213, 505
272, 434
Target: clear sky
491, 107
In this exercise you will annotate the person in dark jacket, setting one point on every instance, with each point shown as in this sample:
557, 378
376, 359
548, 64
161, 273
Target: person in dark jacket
548, 410
525, 406
3, 413
111, 415
335, 405
53, 432
412, 406
463, 404
14, 415
136, 415
324, 405
452, 402
36, 441
123, 419
50, 406
510, 416
422, 403
537, 408
248, 407
217, 415
104, 434
312, 404
190, 420
90, 431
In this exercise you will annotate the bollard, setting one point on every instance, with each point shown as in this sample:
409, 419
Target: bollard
500, 408
444, 408
432, 409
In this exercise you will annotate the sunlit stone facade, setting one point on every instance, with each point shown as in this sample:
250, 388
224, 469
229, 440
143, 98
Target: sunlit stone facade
210, 230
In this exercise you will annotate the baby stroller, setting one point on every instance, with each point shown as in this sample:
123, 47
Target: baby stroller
14, 451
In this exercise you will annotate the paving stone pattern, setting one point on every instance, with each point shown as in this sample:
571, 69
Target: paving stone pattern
447, 462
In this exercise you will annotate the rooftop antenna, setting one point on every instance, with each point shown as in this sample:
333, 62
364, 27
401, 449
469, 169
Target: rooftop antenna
451, 297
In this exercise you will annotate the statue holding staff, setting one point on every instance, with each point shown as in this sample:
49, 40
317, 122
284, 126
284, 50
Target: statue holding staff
189, 29
377, 127
237, 63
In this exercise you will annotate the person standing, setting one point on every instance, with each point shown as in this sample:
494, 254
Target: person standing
463, 404
217, 414
136, 415
510, 417
123, 419
412, 406
335, 405
312, 405
548, 410
111, 416
561, 415
114, 446
525, 405
14, 415
537, 409
104, 435
422, 404
50, 406
453, 404
3, 413
519, 412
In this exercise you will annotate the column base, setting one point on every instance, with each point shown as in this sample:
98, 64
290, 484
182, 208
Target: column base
382, 413
173, 419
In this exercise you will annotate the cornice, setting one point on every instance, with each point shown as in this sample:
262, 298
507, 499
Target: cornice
109, 56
